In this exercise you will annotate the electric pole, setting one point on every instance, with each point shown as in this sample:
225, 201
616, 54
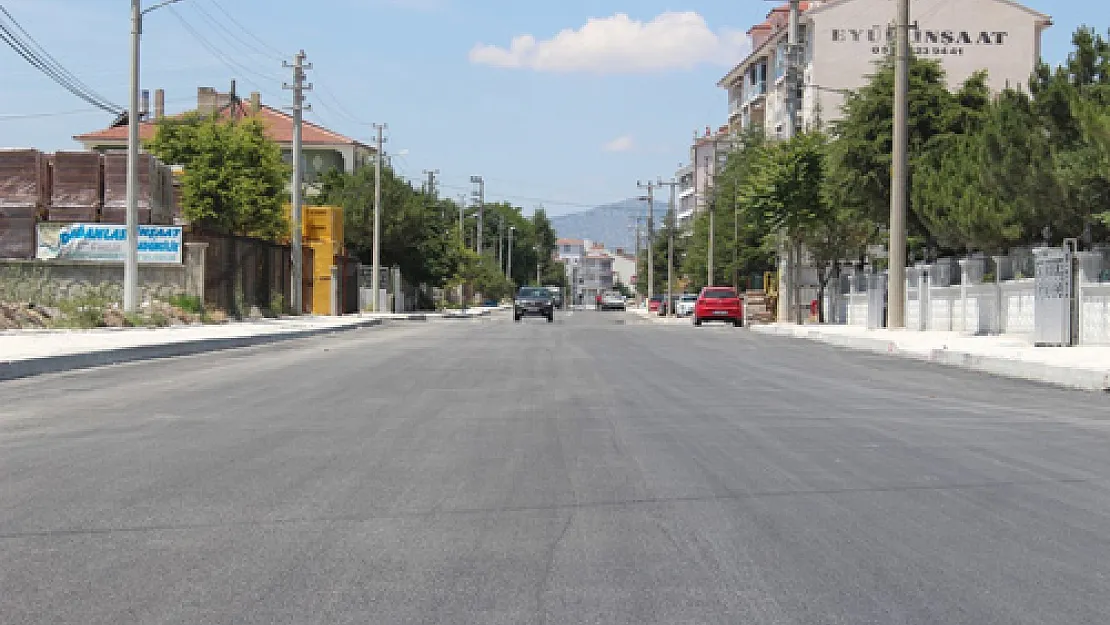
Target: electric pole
896, 281
501, 245
431, 174
480, 194
299, 107
793, 70
650, 186
376, 266
789, 255
509, 272
462, 231
673, 184
710, 205
131, 261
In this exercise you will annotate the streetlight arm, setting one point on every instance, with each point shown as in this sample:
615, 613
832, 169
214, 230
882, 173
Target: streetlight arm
158, 6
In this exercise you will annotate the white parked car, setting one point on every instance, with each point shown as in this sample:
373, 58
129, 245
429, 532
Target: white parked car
685, 305
612, 301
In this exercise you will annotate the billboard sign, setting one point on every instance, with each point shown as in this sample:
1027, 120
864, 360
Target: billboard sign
106, 243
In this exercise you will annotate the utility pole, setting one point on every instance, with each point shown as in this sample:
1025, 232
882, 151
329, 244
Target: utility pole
501, 245
509, 272
788, 256
299, 107
131, 258
131, 262
376, 265
462, 242
480, 194
431, 184
673, 184
650, 186
710, 205
462, 231
793, 70
896, 281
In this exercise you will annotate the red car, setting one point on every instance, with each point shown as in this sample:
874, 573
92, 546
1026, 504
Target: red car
654, 303
718, 303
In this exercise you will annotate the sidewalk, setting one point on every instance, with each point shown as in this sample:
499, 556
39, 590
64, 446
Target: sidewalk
469, 313
1085, 367
25, 353
653, 317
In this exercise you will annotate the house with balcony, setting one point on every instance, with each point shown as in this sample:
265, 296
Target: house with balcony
322, 149
684, 212
595, 274
840, 42
708, 153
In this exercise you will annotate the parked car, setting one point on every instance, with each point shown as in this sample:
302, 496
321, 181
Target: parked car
654, 303
685, 305
612, 300
664, 308
534, 301
718, 303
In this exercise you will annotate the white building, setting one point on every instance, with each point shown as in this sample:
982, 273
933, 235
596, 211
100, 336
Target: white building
842, 39
570, 251
707, 155
624, 267
684, 213
594, 268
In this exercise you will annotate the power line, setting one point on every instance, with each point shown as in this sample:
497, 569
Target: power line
218, 54
250, 34
84, 111
524, 198
339, 109
33, 53
229, 36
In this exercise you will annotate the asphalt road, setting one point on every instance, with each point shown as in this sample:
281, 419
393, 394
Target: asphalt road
596, 470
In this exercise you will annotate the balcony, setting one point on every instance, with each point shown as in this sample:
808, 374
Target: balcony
755, 92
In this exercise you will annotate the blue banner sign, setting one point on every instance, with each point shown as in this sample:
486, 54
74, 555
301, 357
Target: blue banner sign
106, 243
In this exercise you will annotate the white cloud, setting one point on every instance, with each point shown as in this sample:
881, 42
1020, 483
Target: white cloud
618, 43
620, 144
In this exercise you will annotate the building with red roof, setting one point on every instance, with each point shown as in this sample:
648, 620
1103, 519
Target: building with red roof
323, 149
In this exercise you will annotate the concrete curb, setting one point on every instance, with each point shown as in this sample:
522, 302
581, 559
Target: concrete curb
1067, 377
70, 362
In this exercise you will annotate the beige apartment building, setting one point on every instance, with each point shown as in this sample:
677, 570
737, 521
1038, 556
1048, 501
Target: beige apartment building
843, 39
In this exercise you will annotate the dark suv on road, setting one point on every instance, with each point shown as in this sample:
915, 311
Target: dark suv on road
534, 301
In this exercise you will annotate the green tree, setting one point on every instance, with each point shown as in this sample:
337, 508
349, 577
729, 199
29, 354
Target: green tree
786, 190
859, 159
418, 231
742, 244
234, 180
481, 274
1071, 102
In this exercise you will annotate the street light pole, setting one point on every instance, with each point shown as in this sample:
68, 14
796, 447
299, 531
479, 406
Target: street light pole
131, 260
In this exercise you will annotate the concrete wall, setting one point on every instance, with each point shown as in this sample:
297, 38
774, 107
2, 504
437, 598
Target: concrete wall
973, 307
52, 281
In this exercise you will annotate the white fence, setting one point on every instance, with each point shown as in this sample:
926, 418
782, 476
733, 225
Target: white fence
974, 306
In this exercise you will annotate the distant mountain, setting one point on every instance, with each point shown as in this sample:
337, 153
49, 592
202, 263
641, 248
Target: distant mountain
611, 224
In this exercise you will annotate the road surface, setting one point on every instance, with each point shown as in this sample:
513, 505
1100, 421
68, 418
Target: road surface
597, 470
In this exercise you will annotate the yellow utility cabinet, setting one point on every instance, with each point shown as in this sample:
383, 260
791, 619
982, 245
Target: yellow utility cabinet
322, 232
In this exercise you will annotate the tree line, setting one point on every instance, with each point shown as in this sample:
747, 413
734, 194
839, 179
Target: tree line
421, 234
987, 173
235, 182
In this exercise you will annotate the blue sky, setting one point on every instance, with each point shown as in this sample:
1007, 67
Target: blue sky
570, 125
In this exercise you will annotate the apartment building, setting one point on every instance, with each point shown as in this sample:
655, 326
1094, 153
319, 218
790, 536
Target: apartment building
841, 40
